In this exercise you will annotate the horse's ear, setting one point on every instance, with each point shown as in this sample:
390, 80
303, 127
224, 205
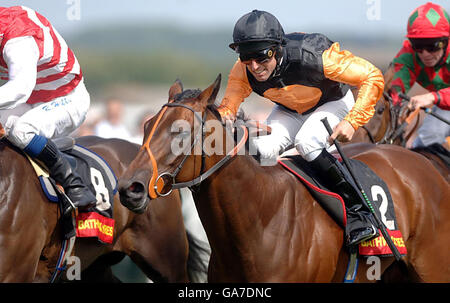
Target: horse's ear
175, 89
389, 76
208, 96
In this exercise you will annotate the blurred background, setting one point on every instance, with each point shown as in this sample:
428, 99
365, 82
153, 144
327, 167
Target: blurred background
132, 51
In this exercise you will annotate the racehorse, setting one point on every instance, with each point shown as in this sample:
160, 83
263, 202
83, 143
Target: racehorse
30, 226
263, 225
386, 120
386, 125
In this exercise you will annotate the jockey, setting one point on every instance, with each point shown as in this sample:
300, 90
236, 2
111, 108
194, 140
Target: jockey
307, 76
44, 96
424, 58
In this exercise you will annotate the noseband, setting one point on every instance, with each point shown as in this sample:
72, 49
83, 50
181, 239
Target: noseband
156, 183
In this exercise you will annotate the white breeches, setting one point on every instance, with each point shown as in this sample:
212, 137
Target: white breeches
433, 130
306, 132
52, 119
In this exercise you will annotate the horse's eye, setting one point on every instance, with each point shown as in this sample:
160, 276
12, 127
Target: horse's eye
380, 110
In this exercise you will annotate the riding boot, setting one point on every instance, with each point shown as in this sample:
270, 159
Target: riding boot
360, 222
61, 171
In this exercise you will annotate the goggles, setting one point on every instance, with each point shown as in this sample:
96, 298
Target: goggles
429, 46
260, 56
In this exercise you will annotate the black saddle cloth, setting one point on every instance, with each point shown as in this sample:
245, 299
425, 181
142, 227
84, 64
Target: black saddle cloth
374, 187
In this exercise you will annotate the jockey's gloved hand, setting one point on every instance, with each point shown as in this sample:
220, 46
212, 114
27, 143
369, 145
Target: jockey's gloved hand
343, 132
420, 101
227, 115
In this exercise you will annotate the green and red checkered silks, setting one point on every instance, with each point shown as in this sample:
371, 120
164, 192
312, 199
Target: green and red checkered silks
427, 21
409, 69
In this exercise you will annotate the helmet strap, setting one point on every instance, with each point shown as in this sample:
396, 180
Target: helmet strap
279, 59
441, 61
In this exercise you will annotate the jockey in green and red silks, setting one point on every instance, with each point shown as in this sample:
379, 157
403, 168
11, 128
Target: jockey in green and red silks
424, 58
410, 69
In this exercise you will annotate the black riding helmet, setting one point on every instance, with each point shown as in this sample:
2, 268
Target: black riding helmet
256, 31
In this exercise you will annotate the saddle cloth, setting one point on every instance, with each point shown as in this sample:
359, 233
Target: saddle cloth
375, 189
99, 177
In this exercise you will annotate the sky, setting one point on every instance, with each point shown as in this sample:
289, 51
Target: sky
360, 17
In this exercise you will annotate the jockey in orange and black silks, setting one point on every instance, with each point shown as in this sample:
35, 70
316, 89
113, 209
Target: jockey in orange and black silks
313, 70
308, 77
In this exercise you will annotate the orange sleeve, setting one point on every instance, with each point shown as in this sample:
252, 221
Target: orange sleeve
237, 90
343, 66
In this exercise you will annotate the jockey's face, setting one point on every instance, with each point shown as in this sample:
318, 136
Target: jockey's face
430, 59
429, 50
261, 70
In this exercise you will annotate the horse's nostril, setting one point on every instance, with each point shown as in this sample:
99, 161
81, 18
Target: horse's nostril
133, 195
136, 187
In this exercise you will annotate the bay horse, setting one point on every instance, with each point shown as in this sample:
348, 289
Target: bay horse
386, 120
384, 126
30, 226
263, 225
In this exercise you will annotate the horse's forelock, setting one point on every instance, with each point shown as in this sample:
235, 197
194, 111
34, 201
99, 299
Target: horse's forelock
187, 94
213, 109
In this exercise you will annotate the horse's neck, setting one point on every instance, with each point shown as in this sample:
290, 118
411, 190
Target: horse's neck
242, 206
223, 190
387, 115
237, 190
388, 119
385, 128
230, 219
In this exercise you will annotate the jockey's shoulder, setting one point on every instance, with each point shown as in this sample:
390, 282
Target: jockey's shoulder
308, 39
314, 44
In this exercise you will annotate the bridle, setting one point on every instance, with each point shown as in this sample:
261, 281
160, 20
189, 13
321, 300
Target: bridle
394, 130
392, 133
157, 183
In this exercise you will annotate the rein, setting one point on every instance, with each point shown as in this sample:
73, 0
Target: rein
392, 133
157, 183
389, 135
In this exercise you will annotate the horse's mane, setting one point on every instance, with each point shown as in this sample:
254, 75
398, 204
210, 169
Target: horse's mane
194, 93
240, 117
187, 94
